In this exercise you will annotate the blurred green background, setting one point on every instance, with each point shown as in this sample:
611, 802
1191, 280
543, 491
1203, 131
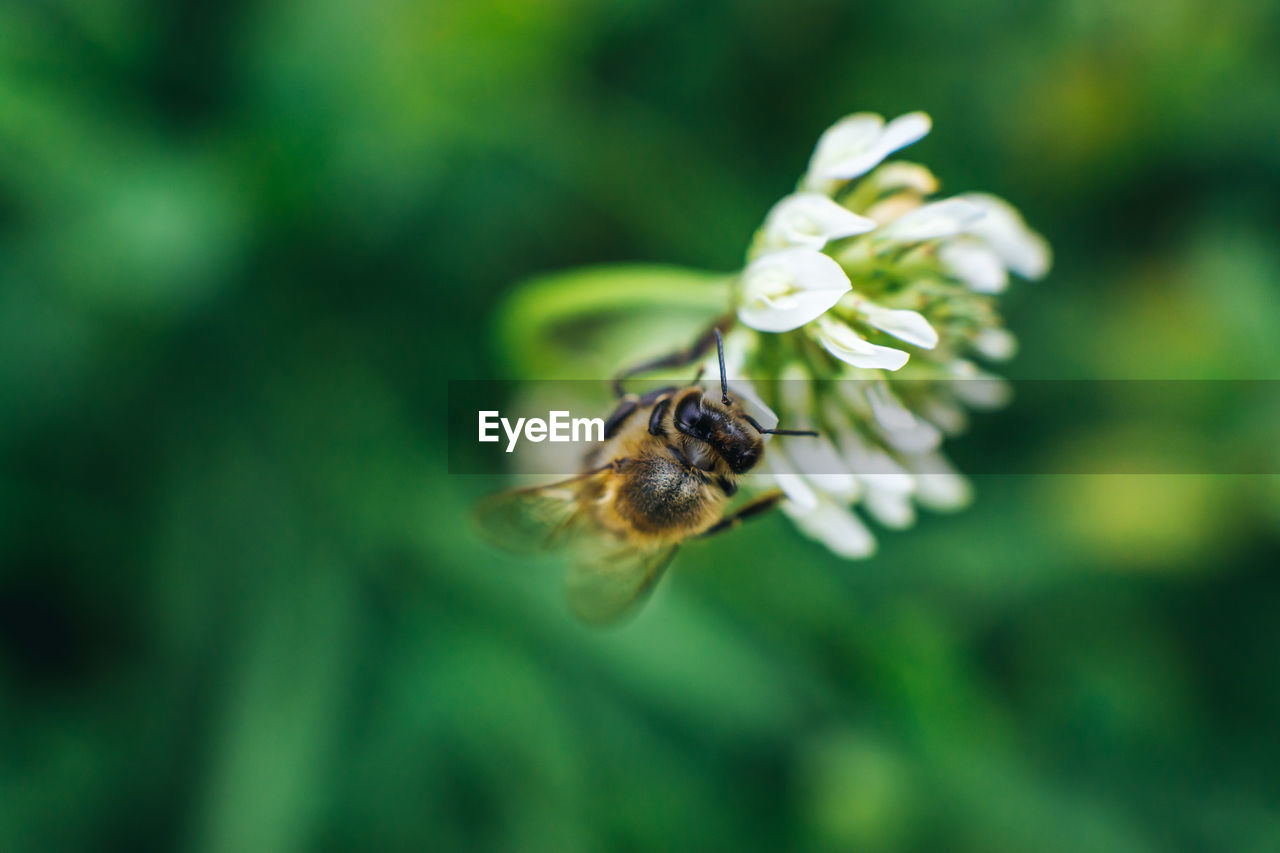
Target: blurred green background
242, 247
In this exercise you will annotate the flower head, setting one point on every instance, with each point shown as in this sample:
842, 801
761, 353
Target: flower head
864, 302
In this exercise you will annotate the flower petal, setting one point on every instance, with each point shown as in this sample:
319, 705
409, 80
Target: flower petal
890, 508
995, 344
938, 486
933, 221
920, 437
820, 462
834, 526
976, 265
799, 493
886, 408
875, 468
904, 130
1003, 229
977, 388
812, 220
944, 414
857, 143
783, 290
909, 326
845, 344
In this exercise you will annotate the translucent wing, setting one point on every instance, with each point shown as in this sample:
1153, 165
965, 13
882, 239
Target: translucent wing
608, 577
611, 583
539, 518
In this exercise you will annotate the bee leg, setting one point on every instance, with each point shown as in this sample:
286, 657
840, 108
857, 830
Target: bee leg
680, 358
657, 394
628, 405
754, 507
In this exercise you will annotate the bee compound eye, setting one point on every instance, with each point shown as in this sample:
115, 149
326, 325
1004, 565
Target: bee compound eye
745, 460
688, 413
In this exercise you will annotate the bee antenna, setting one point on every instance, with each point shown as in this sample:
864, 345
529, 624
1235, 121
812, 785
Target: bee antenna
755, 423
724, 379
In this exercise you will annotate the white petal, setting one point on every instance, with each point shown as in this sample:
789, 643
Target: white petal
933, 221
904, 130
938, 486
812, 220
996, 344
793, 485
892, 509
784, 290
876, 469
976, 265
856, 144
1003, 229
944, 414
921, 437
836, 527
886, 408
842, 143
909, 326
977, 388
820, 462
845, 344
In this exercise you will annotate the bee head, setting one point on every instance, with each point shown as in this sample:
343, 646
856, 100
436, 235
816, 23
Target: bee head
722, 424
725, 428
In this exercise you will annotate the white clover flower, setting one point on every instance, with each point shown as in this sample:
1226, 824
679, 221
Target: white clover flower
923, 272
786, 289
856, 144
810, 220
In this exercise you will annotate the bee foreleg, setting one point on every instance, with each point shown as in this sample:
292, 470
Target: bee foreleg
626, 407
754, 507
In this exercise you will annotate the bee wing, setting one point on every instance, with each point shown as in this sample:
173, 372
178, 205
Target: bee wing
608, 585
538, 518
607, 578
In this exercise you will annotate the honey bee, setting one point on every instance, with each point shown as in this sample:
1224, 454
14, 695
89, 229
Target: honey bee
665, 473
